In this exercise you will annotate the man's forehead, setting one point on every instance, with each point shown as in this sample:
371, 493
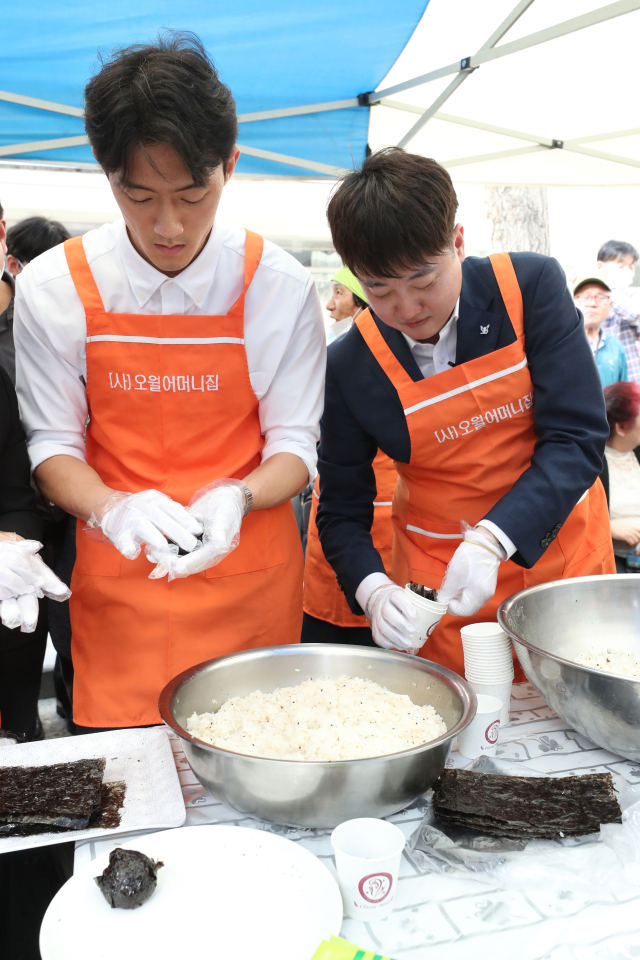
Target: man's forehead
405, 276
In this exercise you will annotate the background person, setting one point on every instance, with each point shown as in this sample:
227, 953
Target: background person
327, 617
24, 241
475, 376
347, 301
617, 265
621, 471
593, 297
199, 352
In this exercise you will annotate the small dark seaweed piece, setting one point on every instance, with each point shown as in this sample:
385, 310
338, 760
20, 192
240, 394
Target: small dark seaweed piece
423, 591
129, 879
542, 807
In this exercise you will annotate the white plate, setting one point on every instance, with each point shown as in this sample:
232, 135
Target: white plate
141, 756
224, 892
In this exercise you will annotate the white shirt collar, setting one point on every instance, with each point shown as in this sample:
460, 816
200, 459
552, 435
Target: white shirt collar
449, 328
195, 281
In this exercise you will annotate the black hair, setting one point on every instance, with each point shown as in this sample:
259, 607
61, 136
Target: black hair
1, 212
359, 302
31, 237
616, 250
393, 213
167, 92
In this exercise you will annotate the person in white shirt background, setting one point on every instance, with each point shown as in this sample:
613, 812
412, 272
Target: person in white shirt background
197, 353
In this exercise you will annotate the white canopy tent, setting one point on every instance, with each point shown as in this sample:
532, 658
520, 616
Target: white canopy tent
499, 91
534, 92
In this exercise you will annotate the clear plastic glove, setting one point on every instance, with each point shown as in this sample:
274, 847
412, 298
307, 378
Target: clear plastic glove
219, 507
472, 574
24, 579
392, 617
133, 520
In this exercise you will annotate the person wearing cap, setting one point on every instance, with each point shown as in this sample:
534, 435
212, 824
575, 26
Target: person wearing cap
474, 375
327, 617
346, 302
592, 295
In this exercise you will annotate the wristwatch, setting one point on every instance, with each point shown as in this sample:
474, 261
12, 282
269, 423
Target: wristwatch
248, 500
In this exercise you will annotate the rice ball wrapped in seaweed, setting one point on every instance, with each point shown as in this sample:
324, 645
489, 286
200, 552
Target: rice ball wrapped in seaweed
129, 879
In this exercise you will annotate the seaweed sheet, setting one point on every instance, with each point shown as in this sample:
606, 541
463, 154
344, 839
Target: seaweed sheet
107, 817
533, 807
58, 796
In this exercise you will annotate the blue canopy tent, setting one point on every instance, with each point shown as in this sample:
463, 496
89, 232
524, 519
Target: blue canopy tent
278, 58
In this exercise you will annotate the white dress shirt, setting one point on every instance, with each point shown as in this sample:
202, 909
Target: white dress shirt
434, 358
283, 328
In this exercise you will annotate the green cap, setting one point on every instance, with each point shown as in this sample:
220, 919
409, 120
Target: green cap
593, 277
347, 279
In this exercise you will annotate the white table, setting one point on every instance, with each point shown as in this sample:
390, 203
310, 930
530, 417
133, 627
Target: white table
445, 918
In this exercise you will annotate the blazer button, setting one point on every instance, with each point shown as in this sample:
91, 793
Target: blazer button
546, 541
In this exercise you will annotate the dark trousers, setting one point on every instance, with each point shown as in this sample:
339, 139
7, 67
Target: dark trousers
21, 658
29, 880
315, 630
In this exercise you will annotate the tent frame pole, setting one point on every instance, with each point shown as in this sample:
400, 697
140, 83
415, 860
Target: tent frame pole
600, 15
465, 71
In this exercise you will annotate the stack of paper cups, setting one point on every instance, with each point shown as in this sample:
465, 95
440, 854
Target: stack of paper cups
488, 662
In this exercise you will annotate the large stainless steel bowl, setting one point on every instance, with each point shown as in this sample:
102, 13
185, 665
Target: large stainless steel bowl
553, 623
316, 794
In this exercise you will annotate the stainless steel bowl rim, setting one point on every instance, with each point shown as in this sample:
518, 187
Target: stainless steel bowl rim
166, 697
506, 605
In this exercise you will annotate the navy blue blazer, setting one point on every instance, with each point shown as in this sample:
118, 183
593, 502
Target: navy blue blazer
363, 412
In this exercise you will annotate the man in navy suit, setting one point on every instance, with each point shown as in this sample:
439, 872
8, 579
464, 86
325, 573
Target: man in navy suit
476, 377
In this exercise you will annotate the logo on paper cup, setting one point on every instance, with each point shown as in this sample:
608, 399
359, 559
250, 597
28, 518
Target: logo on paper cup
432, 628
491, 733
375, 887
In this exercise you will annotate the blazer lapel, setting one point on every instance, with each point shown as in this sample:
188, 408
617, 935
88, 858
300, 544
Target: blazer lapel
478, 326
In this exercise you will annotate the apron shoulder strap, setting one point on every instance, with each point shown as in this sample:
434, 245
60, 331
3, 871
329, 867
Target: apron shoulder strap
510, 290
382, 352
82, 277
253, 247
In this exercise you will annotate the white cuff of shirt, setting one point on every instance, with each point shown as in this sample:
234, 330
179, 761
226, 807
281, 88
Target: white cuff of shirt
368, 585
508, 545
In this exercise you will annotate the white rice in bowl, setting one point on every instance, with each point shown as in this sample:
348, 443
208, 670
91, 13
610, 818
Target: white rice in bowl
612, 661
344, 719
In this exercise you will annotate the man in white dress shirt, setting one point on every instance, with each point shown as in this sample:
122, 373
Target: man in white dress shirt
197, 355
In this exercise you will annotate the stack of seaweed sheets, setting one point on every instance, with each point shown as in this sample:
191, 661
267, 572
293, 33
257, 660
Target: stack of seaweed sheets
533, 807
57, 798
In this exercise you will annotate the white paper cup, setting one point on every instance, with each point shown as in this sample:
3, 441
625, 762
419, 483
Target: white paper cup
429, 613
501, 691
368, 854
481, 632
488, 671
480, 738
488, 657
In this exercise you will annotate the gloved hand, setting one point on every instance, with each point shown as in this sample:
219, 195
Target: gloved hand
471, 577
392, 617
24, 578
131, 520
219, 507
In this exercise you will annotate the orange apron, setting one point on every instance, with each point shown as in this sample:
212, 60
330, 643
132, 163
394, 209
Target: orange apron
472, 436
323, 598
172, 407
